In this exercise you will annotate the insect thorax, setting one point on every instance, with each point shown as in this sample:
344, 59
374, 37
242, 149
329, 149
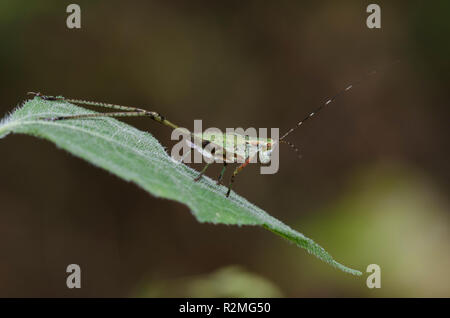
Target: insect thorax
233, 147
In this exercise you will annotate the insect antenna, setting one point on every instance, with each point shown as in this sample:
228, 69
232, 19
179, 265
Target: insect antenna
293, 147
331, 100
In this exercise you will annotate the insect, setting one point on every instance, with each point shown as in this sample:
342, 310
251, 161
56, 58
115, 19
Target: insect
229, 147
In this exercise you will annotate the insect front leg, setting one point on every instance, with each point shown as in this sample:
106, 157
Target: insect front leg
238, 169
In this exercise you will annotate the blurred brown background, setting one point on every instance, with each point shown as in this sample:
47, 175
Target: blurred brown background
372, 186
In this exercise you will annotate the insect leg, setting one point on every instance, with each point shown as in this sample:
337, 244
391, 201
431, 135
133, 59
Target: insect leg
222, 172
238, 169
88, 103
183, 157
96, 115
202, 172
132, 111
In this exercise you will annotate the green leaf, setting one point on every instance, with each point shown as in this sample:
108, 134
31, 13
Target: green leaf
137, 156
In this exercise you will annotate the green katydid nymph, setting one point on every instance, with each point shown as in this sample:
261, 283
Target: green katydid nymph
228, 147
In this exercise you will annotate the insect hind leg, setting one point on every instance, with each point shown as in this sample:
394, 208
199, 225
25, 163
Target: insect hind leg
95, 115
200, 175
45, 97
219, 179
